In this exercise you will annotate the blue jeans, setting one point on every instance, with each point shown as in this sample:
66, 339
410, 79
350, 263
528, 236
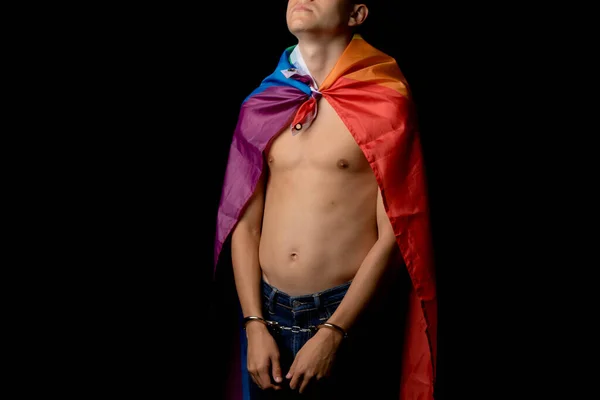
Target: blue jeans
362, 362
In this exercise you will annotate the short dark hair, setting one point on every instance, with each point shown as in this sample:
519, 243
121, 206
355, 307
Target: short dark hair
367, 3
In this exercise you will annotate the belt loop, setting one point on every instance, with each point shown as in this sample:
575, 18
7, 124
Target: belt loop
272, 301
317, 300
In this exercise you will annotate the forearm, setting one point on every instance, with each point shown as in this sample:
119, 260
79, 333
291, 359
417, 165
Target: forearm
246, 269
365, 283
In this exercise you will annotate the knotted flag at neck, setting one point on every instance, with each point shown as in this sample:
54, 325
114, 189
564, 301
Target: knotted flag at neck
307, 112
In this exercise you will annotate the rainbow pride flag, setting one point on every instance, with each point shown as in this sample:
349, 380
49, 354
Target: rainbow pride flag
370, 94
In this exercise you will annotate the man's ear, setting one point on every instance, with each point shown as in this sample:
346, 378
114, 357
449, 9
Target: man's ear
358, 15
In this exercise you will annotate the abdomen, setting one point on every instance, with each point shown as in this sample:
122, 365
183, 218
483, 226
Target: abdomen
317, 228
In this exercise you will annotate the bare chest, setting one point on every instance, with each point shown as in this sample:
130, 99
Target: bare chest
325, 144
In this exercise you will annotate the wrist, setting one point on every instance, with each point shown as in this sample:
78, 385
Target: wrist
254, 324
330, 336
334, 329
255, 327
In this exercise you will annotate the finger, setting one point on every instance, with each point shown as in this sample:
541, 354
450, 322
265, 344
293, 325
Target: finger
262, 382
255, 379
296, 380
276, 369
265, 378
253, 376
303, 384
291, 371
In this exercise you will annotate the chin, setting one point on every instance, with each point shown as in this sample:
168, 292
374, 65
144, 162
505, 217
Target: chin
298, 27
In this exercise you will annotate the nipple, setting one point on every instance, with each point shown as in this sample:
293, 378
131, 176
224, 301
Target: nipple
342, 163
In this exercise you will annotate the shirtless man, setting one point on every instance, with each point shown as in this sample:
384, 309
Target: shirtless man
315, 228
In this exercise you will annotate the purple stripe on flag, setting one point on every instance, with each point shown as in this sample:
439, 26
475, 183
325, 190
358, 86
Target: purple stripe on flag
261, 118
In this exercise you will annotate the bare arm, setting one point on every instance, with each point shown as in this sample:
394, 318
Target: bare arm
263, 355
370, 273
244, 253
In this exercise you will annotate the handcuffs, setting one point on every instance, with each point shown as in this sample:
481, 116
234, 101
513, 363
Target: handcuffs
275, 326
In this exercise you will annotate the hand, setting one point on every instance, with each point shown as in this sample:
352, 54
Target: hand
315, 359
263, 357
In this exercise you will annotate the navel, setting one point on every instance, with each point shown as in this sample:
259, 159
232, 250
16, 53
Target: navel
343, 163
293, 256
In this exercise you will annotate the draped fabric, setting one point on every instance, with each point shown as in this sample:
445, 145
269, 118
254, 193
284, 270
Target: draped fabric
369, 93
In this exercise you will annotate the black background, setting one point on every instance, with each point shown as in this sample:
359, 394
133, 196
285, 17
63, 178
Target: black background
166, 85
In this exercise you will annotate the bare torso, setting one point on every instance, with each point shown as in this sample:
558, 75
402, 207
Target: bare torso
320, 207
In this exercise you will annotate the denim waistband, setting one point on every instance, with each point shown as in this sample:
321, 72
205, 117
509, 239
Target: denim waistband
306, 301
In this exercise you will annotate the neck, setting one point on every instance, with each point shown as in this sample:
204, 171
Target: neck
321, 55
